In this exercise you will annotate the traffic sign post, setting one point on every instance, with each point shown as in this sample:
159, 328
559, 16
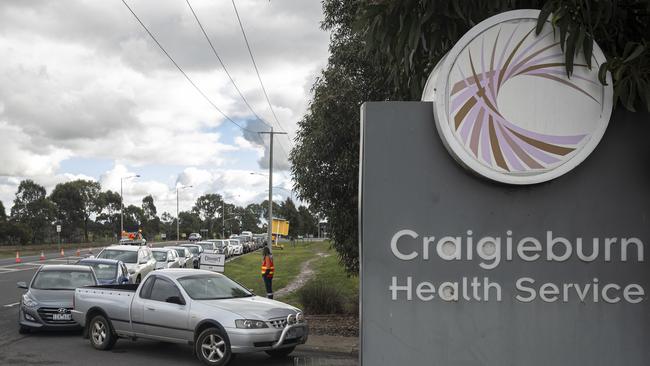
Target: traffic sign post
213, 262
58, 234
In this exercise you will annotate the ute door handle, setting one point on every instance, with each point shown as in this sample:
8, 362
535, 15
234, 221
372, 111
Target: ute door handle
148, 308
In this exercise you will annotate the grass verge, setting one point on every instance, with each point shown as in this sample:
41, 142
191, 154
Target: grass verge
288, 262
330, 273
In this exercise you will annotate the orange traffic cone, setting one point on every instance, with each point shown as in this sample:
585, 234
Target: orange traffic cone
18, 260
78, 252
62, 253
42, 256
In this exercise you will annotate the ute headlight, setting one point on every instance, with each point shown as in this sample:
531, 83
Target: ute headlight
28, 302
250, 324
300, 317
291, 319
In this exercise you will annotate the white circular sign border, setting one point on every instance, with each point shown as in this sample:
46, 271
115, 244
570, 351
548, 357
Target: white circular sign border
459, 152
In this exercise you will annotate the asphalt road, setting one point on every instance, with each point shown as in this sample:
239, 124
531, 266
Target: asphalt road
70, 348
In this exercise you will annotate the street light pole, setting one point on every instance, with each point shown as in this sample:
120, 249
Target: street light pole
122, 202
270, 223
178, 218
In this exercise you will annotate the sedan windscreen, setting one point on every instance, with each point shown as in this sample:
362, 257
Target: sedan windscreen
126, 256
104, 271
62, 280
160, 256
212, 287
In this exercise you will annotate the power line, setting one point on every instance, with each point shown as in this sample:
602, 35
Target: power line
183, 72
232, 81
257, 72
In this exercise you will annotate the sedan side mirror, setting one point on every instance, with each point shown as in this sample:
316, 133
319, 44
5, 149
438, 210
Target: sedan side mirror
175, 300
21, 285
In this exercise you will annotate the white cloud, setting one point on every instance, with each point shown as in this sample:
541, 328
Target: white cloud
99, 88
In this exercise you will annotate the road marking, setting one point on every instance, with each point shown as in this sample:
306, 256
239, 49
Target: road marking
11, 305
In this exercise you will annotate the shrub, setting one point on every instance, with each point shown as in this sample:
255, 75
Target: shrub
318, 297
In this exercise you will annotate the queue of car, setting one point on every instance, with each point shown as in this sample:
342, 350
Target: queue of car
133, 291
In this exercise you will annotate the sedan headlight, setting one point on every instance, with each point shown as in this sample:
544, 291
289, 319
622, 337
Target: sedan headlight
250, 324
29, 302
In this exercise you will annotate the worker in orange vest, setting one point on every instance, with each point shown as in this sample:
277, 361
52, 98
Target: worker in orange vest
267, 271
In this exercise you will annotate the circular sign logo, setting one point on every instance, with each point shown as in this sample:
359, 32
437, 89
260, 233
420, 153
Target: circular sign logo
505, 108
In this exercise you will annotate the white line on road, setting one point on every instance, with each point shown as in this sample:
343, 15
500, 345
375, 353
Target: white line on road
11, 305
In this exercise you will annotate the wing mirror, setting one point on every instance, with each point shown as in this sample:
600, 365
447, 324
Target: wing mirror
175, 300
21, 285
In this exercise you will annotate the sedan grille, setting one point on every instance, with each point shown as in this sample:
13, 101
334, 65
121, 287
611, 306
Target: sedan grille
278, 323
47, 314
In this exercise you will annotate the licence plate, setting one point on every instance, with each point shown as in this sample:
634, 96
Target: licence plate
295, 332
61, 316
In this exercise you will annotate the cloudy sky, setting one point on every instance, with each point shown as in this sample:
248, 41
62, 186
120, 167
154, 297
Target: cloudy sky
85, 93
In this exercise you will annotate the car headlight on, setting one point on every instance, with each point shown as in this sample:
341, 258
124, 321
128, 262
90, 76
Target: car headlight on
250, 324
29, 302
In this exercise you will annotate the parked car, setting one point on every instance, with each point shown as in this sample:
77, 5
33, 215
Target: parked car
194, 237
184, 255
138, 260
196, 251
246, 245
208, 246
108, 271
220, 246
205, 309
237, 247
126, 241
166, 258
47, 304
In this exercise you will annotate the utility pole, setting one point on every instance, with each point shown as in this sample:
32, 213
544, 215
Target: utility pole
270, 223
178, 219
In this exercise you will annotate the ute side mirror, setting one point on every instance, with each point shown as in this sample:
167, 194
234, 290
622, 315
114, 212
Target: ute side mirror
21, 285
175, 300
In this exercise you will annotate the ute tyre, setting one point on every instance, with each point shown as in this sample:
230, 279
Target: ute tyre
101, 333
280, 353
212, 347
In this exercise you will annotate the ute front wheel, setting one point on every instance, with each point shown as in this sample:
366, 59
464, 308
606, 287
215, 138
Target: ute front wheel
213, 347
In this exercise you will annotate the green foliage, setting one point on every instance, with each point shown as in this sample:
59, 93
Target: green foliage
321, 297
325, 160
622, 30
3, 213
76, 201
33, 211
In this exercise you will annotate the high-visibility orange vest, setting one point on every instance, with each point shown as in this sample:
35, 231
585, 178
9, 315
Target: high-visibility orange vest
267, 263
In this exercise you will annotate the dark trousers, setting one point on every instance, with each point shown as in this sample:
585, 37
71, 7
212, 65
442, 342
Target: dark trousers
268, 285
